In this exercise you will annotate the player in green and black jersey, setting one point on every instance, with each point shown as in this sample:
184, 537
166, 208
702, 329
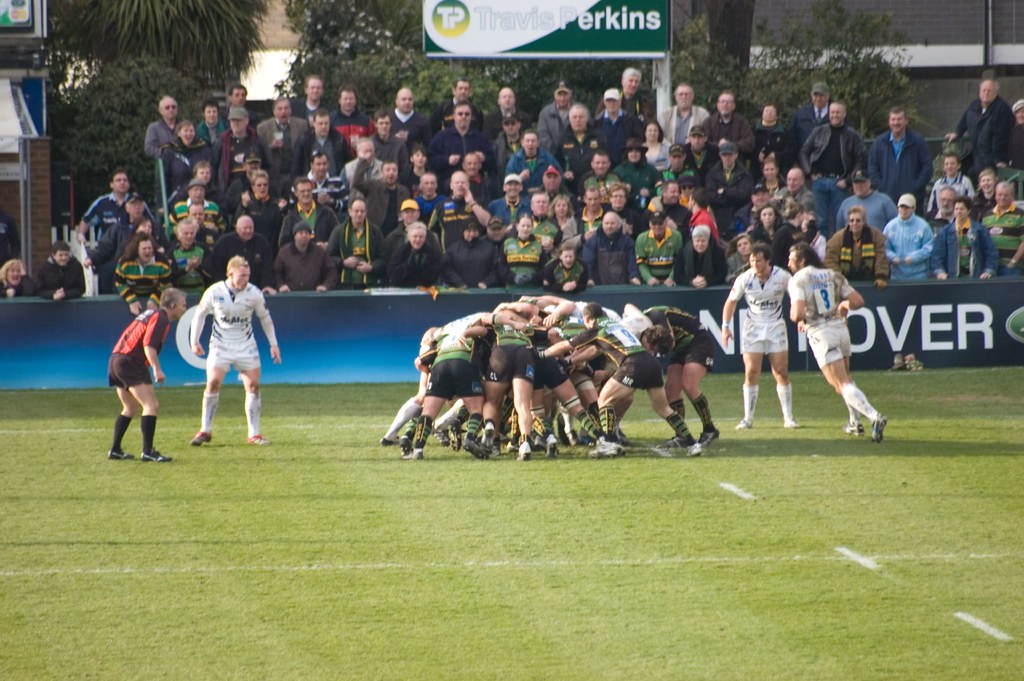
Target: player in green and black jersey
454, 372
691, 357
636, 369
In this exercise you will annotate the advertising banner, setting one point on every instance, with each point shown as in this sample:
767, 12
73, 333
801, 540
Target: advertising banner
366, 338
563, 29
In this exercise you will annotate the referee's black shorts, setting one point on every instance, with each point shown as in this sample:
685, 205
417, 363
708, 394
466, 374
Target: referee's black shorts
123, 371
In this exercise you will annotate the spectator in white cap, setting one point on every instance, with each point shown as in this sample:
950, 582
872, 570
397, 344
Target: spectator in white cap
510, 206
1015, 149
908, 242
617, 125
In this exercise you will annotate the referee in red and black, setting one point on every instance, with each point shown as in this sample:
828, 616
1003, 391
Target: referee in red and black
136, 351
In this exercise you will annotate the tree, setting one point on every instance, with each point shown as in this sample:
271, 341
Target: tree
858, 54
706, 69
730, 25
206, 40
99, 122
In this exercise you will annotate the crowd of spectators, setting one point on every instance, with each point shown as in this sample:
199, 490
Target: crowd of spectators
321, 196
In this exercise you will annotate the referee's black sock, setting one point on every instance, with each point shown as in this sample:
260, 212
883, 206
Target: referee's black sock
148, 432
121, 424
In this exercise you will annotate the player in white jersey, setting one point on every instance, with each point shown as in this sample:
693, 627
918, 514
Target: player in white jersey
820, 301
232, 303
764, 332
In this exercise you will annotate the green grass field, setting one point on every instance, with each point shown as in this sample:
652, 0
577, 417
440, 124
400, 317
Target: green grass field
324, 556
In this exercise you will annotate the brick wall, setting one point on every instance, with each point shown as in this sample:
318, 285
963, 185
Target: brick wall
276, 33
36, 248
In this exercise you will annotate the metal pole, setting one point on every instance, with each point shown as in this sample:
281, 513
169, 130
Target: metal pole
25, 195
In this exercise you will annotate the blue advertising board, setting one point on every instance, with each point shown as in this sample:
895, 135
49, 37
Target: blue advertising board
347, 337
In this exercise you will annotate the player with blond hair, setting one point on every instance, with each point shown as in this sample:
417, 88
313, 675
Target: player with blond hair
233, 303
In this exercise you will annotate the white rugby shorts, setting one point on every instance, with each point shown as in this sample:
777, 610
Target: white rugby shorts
245, 357
764, 337
829, 342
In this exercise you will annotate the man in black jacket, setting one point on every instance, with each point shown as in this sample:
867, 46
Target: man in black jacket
829, 157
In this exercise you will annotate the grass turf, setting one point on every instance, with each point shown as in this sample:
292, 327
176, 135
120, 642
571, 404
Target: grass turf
324, 556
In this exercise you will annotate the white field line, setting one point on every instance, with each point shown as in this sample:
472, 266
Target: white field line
983, 626
662, 561
863, 561
282, 426
742, 494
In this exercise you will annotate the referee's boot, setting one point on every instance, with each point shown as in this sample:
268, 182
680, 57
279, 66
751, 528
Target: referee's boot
155, 456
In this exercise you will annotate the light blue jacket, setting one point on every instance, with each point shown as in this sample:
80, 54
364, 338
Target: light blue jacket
908, 239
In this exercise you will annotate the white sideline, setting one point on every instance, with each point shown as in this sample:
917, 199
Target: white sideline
863, 561
737, 491
983, 626
479, 564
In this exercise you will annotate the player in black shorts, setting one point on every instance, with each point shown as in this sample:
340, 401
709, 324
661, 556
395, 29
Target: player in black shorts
136, 351
454, 372
691, 357
636, 369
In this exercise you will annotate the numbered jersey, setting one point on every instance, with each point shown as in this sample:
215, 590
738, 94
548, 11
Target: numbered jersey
764, 300
821, 290
614, 340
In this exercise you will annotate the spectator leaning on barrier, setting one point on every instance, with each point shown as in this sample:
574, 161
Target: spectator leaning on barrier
963, 248
304, 266
610, 254
1005, 224
857, 251
61, 277
141, 276
14, 280
908, 242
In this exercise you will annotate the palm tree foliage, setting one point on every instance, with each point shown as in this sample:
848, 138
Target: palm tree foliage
205, 40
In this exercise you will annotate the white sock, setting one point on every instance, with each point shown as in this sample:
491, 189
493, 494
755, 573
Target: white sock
252, 412
785, 393
857, 400
210, 403
854, 415
445, 422
409, 410
749, 402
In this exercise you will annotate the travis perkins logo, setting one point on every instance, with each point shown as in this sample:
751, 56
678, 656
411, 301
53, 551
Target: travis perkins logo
451, 19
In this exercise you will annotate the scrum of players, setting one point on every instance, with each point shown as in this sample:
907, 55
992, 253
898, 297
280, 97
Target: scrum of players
545, 371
